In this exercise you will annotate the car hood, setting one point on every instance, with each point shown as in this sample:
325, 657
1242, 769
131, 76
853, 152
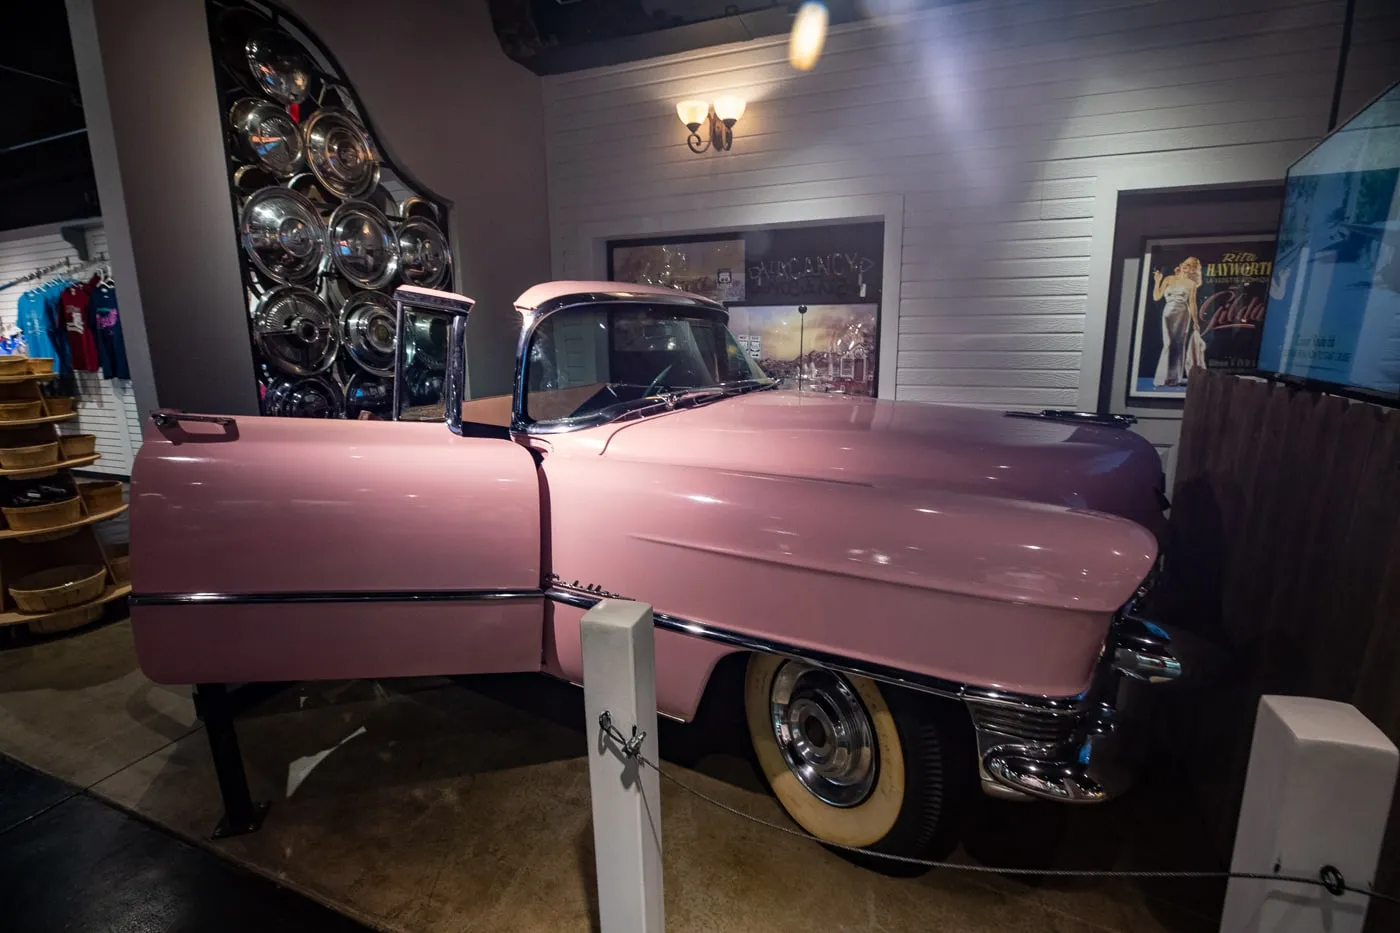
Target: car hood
890, 444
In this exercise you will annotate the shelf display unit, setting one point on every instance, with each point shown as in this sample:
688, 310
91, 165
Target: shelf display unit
71, 542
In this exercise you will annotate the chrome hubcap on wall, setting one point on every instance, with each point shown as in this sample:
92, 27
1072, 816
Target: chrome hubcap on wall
824, 733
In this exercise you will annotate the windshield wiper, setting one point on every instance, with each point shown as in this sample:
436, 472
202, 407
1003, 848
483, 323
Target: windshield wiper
670, 397
750, 385
697, 394
667, 400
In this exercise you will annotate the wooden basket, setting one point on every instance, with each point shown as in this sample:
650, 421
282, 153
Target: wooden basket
40, 364
20, 411
60, 404
77, 445
101, 497
14, 365
59, 587
22, 458
119, 559
48, 515
63, 621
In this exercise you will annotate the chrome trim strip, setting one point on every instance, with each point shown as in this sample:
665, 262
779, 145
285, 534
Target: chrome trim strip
622, 294
333, 596
586, 598
925, 683
435, 299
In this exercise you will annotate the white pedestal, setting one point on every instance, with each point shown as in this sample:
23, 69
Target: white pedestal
1318, 793
619, 676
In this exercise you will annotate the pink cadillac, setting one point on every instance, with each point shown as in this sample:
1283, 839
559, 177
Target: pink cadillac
922, 597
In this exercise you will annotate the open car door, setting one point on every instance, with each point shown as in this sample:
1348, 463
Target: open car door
300, 549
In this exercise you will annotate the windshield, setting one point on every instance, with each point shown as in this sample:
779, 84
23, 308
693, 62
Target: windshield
609, 358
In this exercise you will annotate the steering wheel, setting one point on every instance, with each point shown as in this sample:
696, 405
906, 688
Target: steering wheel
659, 376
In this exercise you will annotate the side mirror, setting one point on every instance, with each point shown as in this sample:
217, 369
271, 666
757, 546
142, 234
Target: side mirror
430, 362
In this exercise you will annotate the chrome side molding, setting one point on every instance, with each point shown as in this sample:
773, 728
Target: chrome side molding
586, 596
332, 596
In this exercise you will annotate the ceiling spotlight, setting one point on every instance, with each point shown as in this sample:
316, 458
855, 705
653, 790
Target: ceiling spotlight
808, 35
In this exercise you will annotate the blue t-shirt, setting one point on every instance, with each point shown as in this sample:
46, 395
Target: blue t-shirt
38, 310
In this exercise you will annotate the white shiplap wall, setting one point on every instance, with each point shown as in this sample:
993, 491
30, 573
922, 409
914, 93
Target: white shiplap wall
106, 407
994, 121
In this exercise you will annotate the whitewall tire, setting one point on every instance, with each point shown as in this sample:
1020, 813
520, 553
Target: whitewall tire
856, 764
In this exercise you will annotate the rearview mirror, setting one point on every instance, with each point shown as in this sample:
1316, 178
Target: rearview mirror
430, 364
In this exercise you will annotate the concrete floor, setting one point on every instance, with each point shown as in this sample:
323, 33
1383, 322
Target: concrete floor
437, 805
70, 862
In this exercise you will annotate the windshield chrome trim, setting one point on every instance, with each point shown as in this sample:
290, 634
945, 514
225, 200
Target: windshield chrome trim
520, 423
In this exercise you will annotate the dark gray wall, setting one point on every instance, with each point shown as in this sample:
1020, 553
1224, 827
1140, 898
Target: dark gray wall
1374, 61
466, 121
148, 89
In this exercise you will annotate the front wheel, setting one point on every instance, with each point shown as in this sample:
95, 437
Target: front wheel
857, 765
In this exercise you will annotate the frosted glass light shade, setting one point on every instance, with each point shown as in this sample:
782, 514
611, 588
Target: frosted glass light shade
693, 112
729, 108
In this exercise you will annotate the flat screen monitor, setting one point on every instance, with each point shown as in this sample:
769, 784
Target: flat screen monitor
1333, 313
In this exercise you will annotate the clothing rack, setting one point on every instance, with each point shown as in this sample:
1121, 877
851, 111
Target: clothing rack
60, 266
98, 264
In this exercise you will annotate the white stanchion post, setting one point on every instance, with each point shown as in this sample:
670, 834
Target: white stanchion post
619, 676
1317, 793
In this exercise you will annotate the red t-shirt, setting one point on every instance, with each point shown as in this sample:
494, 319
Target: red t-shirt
82, 346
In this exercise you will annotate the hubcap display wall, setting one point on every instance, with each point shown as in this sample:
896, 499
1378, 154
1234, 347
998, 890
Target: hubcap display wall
328, 226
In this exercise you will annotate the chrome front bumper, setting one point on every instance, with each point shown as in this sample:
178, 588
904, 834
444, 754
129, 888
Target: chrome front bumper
1070, 749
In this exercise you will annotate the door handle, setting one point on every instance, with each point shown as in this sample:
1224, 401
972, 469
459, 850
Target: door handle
168, 418
168, 422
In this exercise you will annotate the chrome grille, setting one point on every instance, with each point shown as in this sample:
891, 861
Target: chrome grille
1023, 724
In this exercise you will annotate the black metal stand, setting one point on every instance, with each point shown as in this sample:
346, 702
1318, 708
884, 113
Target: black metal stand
213, 705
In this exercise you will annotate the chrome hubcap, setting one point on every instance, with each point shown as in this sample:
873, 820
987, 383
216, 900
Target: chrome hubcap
824, 733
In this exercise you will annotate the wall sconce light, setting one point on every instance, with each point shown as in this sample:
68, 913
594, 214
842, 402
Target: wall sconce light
719, 117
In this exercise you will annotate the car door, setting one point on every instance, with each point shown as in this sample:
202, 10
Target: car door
295, 549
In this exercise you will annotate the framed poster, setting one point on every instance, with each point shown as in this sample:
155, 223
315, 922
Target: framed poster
1200, 304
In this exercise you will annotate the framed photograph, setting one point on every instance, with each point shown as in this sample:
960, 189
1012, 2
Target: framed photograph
712, 267
815, 348
1200, 305
804, 301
